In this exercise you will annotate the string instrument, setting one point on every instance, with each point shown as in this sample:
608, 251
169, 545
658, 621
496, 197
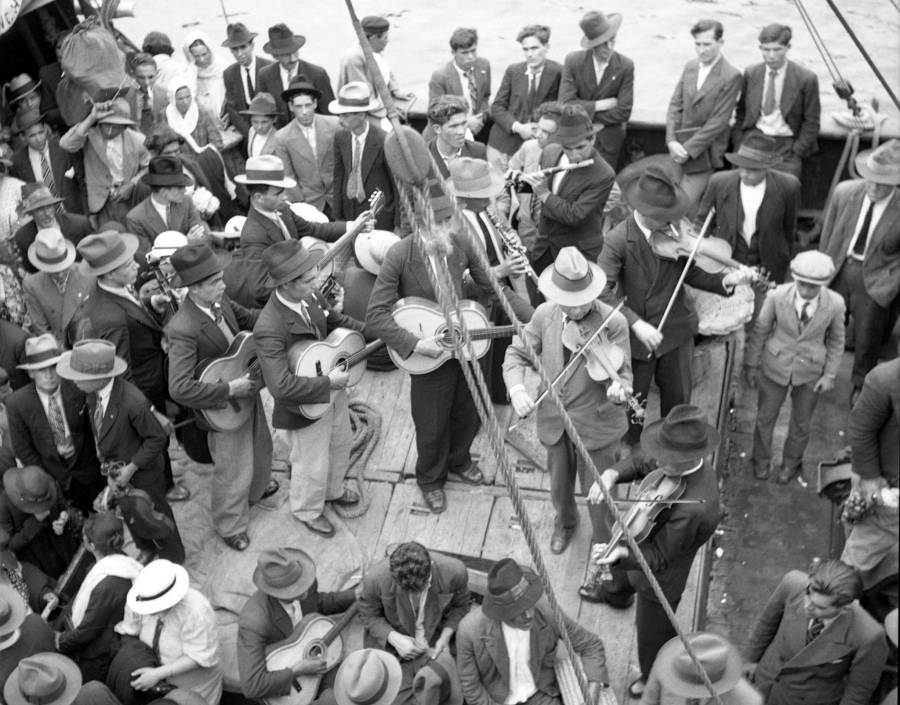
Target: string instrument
425, 319
238, 360
512, 243
316, 636
342, 349
162, 281
514, 177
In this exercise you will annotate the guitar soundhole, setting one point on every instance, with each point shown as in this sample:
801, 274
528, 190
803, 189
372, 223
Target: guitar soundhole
449, 338
341, 364
316, 650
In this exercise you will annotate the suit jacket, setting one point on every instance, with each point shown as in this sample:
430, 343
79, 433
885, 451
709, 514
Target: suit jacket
842, 666
483, 659
475, 150
708, 109
159, 99
144, 221
268, 146
788, 354
73, 227
511, 102
874, 424
384, 605
32, 438
12, 353
599, 421
648, 281
574, 215
235, 100
263, 621
276, 332
247, 280
314, 173
376, 174
776, 219
269, 81
446, 81
69, 188
799, 104
259, 231
881, 266
51, 311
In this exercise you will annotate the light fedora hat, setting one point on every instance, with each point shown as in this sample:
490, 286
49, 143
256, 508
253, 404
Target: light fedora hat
719, 659
571, 280
437, 682
40, 351
90, 359
106, 251
266, 169
882, 164
475, 178
285, 573
159, 586
354, 97
50, 251
368, 677
372, 247
13, 610
308, 212
43, 679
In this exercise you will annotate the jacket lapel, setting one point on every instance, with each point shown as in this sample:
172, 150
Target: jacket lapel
820, 315
279, 616
640, 250
111, 412
789, 89
73, 405
711, 79
456, 86
495, 645
829, 646
787, 312
370, 153
888, 223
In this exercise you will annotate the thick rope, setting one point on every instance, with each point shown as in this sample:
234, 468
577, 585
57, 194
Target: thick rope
366, 424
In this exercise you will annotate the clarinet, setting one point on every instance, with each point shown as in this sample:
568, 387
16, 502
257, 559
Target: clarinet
512, 243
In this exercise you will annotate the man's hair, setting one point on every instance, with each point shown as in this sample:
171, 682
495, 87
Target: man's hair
552, 110
160, 136
157, 43
410, 565
463, 38
706, 25
112, 543
142, 58
776, 33
445, 107
836, 579
538, 31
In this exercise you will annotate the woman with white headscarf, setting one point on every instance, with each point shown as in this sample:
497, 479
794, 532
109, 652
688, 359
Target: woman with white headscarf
207, 70
185, 117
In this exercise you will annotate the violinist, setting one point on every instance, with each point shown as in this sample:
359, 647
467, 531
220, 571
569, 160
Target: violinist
592, 399
677, 450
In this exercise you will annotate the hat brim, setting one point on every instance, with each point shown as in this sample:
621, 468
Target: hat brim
656, 448
20, 127
496, 186
862, 167
811, 280
615, 22
448, 663
24, 505
71, 674
259, 113
28, 92
664, 667
64, 369
18, 610
527, 600
232, 43
335, 108
394, 673
294, 590
286, 182
632, 172
296, 44
562, 297
52, 267
309, 263
363, 251
222, 260
131, 246
170, 598
52, 201
116, 120
741, 160
682, 203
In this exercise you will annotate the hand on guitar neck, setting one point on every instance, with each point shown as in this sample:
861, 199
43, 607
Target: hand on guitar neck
242, 387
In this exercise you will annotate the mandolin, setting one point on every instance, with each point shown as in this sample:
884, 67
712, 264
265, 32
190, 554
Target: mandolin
239, 359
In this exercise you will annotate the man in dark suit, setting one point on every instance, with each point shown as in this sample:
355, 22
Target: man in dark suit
700, 109
201, 331
49, 426
448, 118
12, 353
46, 213
242, 77
814, 643
411, 605
360, 166
64, 172
601, 81
147, 99
287, 591
276, 78
874, 429
781, 99
246, 279
466, 75
524, 87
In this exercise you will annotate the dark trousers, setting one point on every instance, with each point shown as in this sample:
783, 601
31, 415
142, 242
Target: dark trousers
672, 372
771, 397
153, 484
446, 422
82, 495
653, 628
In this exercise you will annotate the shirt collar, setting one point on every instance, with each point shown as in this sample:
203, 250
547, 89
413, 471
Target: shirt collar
104, 392
300, 307
365, 133
707, 67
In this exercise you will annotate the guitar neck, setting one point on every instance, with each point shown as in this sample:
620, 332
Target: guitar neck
356, 358
347, 238
495, 332
340, 624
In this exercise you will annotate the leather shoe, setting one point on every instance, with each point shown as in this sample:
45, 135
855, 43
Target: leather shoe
271, 489
761, 471
321, 526
598, 593
179, 493
787, 474
636, 688
472, 475
348, 499
436, 500
238, 542
560, 540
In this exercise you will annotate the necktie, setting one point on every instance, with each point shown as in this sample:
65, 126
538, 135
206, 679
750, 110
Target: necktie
251, 91
768, 104
816, 626
99, 413
473, 89
532, 93
355, 190
57, 424
284, 231
47, 173
157, 633
859, 247
804, 314
310, 135
146, 111
169, 217
219, 318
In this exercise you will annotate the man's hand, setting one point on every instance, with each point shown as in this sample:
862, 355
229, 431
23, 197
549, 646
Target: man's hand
405, 646
510, 267
310, 667
160, 302
677, 151
823, 384
749, 671
618, 391
99, 111
241, 387
339, 378
609, 478
751, 377
741, 275
615, 555
871, 486
605, 104
647, 334
145, 677
538, 184
525, 130
522, 402
429, 347
441, 644
59, 525
365, 221
475, 123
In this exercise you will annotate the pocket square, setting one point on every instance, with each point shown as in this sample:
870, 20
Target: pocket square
70, 173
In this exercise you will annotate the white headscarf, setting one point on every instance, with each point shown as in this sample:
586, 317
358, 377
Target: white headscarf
185, 124
117, 565
210, 84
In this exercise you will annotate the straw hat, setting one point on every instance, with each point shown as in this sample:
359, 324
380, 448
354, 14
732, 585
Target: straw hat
40, 351
812, 267
13, 610
371, 248
437, 682
368, 677
90, 359
882, 164
43, 679
30, 489
683, 435
571, 280
475, 178
159, 586
106, 251
266, 169
598, 28
354, 97
285, 573
287, 260
50, 251
510, 591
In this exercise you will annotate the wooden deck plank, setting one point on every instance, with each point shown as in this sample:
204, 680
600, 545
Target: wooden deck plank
481, 447
372, 522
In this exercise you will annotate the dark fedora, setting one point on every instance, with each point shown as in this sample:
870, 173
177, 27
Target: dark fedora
437, 682
30, 489
574, 126
510, 591
142, 517
106, 251
27, 118
285, 573
238, 35
194, 263
757, 151
598, 28
300, 84
287, 260
685, 434
20, 86
262, 105
36, 195
165, 170
656, 195
282, 40
632, 172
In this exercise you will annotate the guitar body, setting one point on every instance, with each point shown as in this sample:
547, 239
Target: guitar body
312, 358
239, 358
425, 319
306, 641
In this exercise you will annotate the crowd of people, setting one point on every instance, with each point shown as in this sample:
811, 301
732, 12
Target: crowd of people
175, 228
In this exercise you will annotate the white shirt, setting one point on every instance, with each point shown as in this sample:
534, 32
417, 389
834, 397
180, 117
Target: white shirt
115, 159
103, 396
751, 200
878, 209
243, 71
257, 142
773, 124
45, 402
286, 75
275, 218
799, 302
521, 680
559, 176
301, 308
162, 209
599, 67
704, 69
534, 76
310, 134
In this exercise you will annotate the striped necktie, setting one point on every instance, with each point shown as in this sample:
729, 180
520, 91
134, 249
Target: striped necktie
47, 173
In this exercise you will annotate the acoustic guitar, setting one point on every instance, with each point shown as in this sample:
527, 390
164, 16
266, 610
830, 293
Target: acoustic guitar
425, 319
316, 636
343, 349
239, 359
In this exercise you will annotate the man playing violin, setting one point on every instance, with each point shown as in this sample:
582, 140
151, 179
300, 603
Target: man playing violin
571, 314
678, 449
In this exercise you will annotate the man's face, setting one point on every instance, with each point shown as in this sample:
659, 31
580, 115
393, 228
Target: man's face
807, 291
36, 137
752, 177
379, 41
579, 151
355, 122
707, 46
301, 287
110, 130
287, 59
183, 100
304, 109
89, 386
465, 58
262, 124
145, 75
774, 54
876, 191
45, 216
603, 51
243, 53
270, 199
546, 128
576, 313
173, 194
202, 56
171, 149
534, 50
210, 291
453, 132
123, 275
819, 606
31, 101
45, 379
522, 621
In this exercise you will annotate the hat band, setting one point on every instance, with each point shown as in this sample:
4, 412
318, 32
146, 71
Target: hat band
42, 356
515, 592
156, 596
49, 692
353, 102
36, 500
690, 673
111, 255
441, 673
53, 258
265, 174
91, 368
753, 153
676, 442
571, 285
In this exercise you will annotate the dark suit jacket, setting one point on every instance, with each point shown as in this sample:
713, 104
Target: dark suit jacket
264, 621
799, 104
259, 231
842, 666
475, 150
874, 424
633, 270
511, 102
73, 227
32, 437
247, 280
269, 80
483, 659
776, 219
34, 541
276, 331
376, 174
144, 221
12, 353
574, 216
445, 81
70, 189
235, 100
